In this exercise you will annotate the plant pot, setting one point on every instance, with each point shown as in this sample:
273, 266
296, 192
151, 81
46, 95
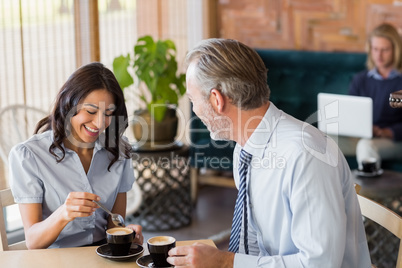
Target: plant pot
153, 135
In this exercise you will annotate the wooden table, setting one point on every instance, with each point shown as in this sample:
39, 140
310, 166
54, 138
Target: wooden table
85, 257
388, 185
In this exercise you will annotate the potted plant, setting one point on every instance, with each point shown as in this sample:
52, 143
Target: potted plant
154, 66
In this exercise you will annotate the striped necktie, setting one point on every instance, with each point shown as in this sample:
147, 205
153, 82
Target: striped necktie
241, 206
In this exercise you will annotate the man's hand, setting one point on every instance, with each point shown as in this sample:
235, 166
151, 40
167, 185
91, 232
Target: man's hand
200, 255
382, 132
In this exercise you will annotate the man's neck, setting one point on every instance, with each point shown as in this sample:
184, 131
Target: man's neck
247, 122
384, 71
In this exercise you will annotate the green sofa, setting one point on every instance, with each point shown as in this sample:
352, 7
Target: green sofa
295, 78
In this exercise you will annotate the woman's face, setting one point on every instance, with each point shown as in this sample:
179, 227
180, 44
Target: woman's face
382, 52
93, 116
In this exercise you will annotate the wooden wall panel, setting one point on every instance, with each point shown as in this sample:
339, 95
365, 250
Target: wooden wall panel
380, 13
322, 25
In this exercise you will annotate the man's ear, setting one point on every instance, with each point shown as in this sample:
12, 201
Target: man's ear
217, 100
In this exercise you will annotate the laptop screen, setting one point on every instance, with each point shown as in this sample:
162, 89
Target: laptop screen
345, 115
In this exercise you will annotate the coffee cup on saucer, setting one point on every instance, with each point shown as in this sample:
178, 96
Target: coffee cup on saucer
119, 240
369, 165
158, 247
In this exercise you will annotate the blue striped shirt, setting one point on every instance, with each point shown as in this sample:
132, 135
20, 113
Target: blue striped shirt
302, 204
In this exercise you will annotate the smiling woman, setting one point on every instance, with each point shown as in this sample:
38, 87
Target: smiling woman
93, 117
91, 89
40, 45
78, 155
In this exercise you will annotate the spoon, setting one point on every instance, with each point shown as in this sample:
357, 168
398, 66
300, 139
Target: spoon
117, 219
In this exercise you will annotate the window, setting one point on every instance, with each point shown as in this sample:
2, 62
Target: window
38, 46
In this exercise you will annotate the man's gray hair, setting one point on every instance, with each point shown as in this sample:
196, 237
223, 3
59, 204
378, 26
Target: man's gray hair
233, 68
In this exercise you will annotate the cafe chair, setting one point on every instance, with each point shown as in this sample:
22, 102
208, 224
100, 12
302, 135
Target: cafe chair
7, 199
382, 216
17, 124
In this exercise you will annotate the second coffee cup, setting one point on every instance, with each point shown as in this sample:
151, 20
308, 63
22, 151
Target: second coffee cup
119, 240
159, 247
369, 165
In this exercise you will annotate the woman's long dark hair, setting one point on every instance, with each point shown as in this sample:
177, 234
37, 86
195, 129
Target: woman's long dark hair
83, 81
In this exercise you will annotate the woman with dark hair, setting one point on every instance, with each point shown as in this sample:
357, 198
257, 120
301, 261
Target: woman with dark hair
77, 155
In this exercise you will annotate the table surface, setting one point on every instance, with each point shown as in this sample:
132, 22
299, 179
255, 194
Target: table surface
71, 257
389, 184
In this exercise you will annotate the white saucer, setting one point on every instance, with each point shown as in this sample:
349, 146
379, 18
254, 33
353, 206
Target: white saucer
361, 173
105, 252
146, 262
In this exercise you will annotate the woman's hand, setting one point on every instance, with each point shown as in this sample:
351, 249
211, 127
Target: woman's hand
41, 233
79, 204
139, 238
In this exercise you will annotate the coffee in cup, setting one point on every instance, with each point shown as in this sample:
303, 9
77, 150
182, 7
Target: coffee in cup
159, 247
369, 165
119, 240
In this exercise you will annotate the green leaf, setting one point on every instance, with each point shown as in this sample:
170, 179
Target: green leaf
166, 92
154, 63
120, 65
145, 42
182, 84
170, 44
157, 109
142, 97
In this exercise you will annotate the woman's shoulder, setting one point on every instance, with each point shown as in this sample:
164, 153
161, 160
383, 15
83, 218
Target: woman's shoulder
40, 141
40, 138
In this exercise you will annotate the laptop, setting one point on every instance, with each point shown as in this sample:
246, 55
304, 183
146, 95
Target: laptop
345, 115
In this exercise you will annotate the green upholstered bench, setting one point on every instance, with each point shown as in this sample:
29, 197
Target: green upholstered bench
296, 77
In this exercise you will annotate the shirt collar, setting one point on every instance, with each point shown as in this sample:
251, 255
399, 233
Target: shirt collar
261, 136
376, 75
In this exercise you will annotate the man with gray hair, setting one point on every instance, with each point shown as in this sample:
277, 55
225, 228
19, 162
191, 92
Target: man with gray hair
296, 205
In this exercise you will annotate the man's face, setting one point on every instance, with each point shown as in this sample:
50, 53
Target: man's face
382, 52
218, 125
